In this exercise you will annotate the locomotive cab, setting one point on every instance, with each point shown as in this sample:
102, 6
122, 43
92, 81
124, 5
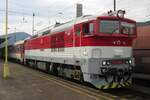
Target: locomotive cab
114, 26
106, 47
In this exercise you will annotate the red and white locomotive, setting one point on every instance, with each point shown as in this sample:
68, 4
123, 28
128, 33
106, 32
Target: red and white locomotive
93, 49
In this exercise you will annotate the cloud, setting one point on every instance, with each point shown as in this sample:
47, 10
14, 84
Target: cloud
49, 11
136, 9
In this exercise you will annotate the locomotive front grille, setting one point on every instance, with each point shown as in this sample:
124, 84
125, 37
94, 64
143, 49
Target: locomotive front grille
116, 75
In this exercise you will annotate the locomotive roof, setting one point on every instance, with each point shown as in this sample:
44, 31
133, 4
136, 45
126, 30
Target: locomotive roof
60, 27
68, 25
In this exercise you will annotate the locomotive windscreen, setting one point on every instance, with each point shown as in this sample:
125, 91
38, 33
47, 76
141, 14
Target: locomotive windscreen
113, 26
127, 28
108, 26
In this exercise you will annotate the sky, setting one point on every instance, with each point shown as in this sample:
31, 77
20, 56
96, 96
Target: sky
48, 12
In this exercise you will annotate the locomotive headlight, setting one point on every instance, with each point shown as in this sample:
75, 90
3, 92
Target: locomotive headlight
103, 63
120, 13
108, 63
130, 61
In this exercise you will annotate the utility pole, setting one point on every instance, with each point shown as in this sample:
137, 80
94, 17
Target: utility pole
15, 34
6, 73
33, 24
114, 5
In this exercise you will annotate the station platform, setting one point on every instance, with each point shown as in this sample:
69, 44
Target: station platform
25, 84
28, 84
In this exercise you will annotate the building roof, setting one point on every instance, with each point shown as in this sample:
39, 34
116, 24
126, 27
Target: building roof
147, 23
13, 37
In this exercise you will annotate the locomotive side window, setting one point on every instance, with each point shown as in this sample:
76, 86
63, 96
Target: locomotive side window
46, 32
78, 31
88, 28
91, 27
108, 26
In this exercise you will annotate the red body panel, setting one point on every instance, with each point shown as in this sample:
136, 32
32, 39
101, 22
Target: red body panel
61, 41
106, 41
69, 38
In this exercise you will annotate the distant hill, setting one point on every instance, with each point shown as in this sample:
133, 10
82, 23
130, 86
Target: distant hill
143, 23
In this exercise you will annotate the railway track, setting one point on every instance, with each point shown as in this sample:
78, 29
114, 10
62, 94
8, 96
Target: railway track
78, 88
95, 94
142, 82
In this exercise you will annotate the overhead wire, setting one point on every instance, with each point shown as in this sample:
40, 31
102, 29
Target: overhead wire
54, 13
15, 12
66, 8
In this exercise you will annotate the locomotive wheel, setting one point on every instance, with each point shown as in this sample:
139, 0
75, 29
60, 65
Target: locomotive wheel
47, 67
81, 78
22, 63
55, 71
27, 63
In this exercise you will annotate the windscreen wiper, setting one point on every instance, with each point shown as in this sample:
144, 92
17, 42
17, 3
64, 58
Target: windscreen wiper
114, 30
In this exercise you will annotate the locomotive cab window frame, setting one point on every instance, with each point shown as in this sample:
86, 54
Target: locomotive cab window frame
109, 26
88, 28
116, 27
128, 28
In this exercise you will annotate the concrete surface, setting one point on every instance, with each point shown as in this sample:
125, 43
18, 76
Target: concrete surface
25, 85
28, 84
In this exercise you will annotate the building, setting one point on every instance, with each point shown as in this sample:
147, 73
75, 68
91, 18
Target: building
12, 38
142, 49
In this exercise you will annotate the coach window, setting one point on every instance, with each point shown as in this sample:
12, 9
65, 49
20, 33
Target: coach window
88, 28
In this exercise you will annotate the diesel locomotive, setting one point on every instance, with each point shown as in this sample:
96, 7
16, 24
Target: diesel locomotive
93, 49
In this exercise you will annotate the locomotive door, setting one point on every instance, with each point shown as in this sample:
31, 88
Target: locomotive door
77, 42
78, 34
